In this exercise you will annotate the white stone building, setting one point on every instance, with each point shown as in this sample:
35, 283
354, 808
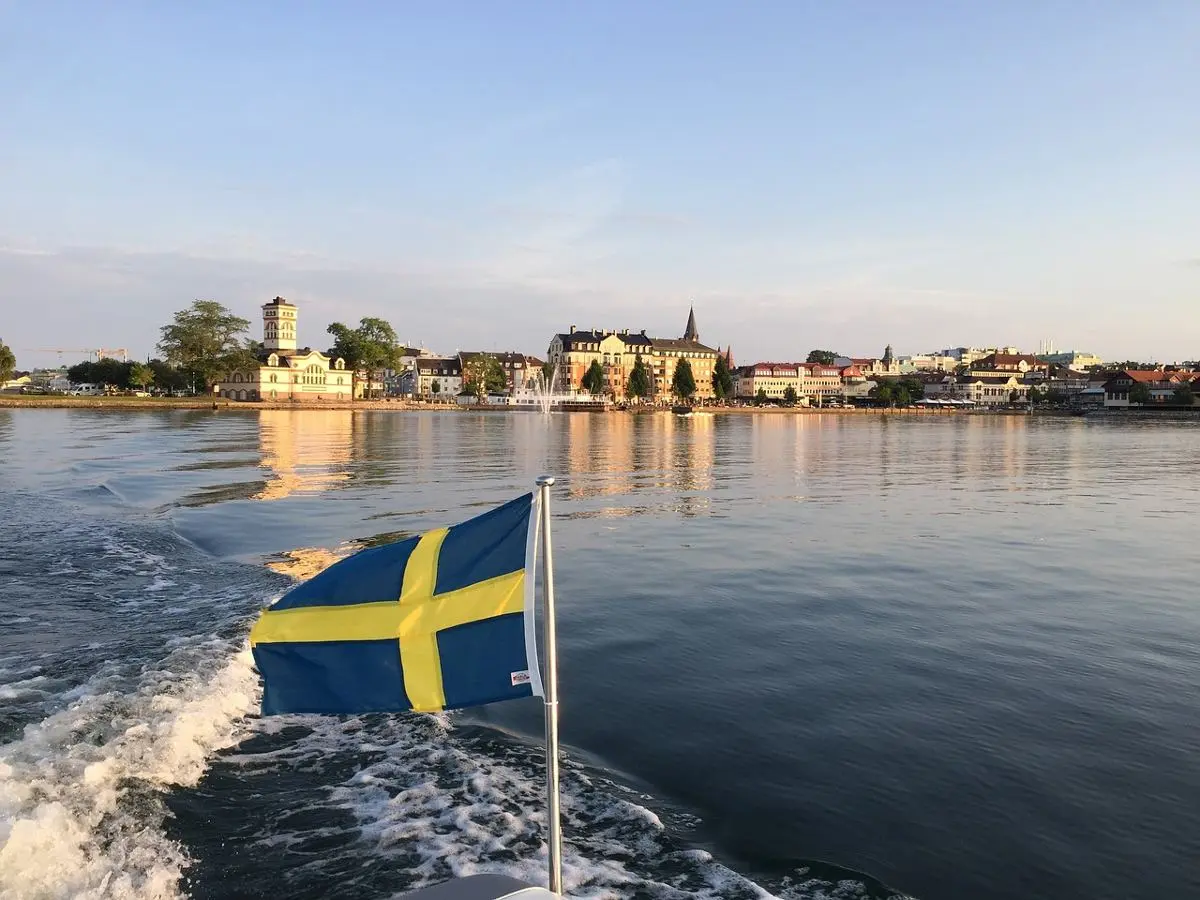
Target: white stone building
286, 372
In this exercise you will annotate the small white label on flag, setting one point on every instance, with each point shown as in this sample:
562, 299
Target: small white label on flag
520, 678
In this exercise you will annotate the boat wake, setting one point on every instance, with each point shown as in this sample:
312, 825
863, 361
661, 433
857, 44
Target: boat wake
409, 801
81, 810
135, 766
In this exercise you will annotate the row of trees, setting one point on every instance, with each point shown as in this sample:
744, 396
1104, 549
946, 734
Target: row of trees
124, 375
640, 384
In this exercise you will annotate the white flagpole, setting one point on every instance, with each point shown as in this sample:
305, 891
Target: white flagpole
551, 688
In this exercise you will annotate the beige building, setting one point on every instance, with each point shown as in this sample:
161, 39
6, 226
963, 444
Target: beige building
930, 362
286, 372
992, 389
813, 382
617, 352
773, 379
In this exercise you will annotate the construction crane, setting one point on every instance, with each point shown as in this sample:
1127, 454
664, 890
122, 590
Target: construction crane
98, 352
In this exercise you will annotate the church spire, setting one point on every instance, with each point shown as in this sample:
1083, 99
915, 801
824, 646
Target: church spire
690, 333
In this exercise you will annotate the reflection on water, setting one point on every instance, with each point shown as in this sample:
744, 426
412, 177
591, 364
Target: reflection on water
305, 451
303, 562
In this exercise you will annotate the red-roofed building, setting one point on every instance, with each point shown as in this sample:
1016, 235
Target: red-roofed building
1161, 385
1009, 362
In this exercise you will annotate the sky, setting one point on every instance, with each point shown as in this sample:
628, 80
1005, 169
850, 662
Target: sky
808, 174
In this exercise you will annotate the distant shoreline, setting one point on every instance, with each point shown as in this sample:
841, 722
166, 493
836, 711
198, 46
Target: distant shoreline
198, 403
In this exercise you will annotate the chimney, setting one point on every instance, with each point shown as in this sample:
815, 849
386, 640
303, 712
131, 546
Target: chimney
572, 331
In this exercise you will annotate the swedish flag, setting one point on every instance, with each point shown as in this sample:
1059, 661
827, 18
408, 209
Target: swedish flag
440, 621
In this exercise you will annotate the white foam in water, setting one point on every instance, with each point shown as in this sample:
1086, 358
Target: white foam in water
439, 809
73, 823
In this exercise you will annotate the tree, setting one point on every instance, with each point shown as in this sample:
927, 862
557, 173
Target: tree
913, 387
436, 387
639, 380
885, 393
683, 382
593, 378
168, 377
8, 363
760, 397
1140, 393
371, 347
142, 375
381, 348
1185, 396
1036, 395
548, 373
722, 379
1014, 396
483, 375
789, 395
822, 357
347, 345
204, 339
80, 373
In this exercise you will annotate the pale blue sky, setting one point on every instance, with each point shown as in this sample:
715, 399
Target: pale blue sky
483, 174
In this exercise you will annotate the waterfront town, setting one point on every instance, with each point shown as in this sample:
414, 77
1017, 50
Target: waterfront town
592, 368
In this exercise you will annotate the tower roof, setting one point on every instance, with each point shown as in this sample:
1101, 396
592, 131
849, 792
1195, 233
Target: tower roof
690, 333
279, 301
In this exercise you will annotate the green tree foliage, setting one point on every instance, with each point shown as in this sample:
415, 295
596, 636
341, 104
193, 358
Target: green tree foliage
548, 373
1140, 393
822, 357
789, 395
683, 382
8, 362
436, 387
347, 346
894, 393
371, 347
483, 375
1014, 396
110, 372
168, 377
593, 378
760, 397
205, 339
638, 385
1185, 396
914, 387
1037, 395
141, 374
722, 379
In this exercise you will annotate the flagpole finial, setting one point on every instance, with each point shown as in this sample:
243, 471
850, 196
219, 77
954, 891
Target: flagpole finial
545, 480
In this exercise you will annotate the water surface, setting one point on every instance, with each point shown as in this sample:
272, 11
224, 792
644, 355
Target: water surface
956, 654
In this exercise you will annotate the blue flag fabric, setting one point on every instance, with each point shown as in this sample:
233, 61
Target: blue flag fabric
440, 621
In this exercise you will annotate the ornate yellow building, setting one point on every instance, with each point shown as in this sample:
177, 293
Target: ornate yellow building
288, 373
573, 353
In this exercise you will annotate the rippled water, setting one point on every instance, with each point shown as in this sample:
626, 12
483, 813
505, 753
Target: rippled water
958, 654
